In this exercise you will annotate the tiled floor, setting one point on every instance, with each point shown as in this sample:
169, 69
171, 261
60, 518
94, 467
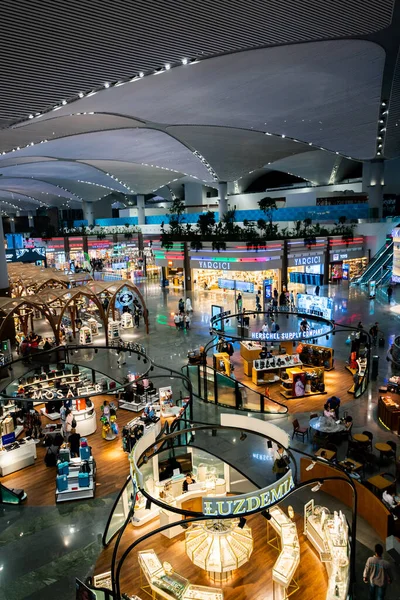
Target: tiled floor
43, 549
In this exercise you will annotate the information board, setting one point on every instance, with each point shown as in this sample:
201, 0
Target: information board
234, 284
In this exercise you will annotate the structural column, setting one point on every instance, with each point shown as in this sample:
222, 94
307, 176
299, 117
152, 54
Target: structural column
88, 212
186, 268
372, 184
284, 274
12, 224
30, 219
140, 209
4, 285
223, 200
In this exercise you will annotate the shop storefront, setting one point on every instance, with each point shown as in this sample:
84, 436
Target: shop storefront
100, 249
306, 264
76, 252
55, 253
171, 263
212, 270
346, 261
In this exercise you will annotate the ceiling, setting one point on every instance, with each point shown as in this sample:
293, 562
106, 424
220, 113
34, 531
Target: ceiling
135, 97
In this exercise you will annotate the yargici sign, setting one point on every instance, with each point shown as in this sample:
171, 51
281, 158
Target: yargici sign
251, 502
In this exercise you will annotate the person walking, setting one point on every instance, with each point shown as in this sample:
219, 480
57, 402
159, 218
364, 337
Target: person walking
317, 290
239, 303
292, 302
187, 320
373, 332
378, 574
390, 293
181, 305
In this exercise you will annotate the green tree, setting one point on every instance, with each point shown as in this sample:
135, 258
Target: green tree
205, 224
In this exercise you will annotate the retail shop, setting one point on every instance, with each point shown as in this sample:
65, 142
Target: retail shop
55, 253
346, 261
212, 270
76, 252
306, 264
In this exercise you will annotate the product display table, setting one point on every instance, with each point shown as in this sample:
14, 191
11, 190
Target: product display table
389, 411
326, 425
164, 582
360, 437
382, 447
351, 465
86, 422
381, 483
22, 456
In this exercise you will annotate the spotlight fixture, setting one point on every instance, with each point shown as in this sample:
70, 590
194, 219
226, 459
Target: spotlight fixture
141, 74
242, 522
145, 459
243, 436
167, 67
269, 444
317, 487
184, 61
327, 336
148, 504
266, 514
311, 466
290, 511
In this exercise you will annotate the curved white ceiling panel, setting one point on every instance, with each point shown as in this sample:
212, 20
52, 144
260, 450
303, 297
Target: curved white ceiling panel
143, 146
62, 170
41, 190
316, 166
327, 93
235, 152
141, 179
57, 127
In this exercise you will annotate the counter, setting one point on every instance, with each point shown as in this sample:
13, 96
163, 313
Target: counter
86, 422
389, 412
21, 457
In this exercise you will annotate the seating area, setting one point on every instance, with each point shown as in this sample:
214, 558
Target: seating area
373, 464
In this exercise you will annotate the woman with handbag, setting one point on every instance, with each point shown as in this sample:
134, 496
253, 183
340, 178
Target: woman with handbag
281, 462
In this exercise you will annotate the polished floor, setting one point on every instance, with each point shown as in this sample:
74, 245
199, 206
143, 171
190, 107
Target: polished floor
43, 548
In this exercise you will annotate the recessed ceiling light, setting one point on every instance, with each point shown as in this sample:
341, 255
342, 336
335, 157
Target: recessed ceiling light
141, 74
184, 61
106, 85
167, 67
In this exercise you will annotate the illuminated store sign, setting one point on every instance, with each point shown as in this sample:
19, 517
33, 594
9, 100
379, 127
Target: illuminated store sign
307, 260
251, 502
208, 264
61, 395
287, 335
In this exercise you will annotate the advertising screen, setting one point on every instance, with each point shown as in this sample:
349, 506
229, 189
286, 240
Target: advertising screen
233, 284
320, 306
216, 310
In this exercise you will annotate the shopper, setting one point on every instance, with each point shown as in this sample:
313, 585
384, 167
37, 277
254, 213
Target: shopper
276, 294
47, 344
281, 462
274, 326
239, 303
328, 412
136, 319
317, 290
378, 574
292, 302
282, 300
67, 423
389, 293
334, 404
181, 320
265, 328
181, 305
304, 326
74, 443
188, 305
121, 360
373, 332
187, 320
176, 320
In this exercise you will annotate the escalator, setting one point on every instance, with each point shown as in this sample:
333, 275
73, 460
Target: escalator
380, 267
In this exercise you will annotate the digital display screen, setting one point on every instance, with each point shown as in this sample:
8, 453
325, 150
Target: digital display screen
320, 306
217, 310
234, 284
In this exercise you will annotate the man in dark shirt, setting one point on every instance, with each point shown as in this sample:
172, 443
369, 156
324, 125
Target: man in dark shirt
74, 441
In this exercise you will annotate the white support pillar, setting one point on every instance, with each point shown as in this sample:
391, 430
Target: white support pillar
4, 285
141, 209
12, 223
88, 212
30, 219
223, 200
372, 184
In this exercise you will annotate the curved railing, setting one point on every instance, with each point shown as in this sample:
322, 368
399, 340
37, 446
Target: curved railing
212, 386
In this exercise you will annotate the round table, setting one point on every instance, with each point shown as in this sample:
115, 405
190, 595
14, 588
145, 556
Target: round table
382, 447
326, 425
361, 437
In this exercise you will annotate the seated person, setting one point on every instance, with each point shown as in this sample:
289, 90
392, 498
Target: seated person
334, 403
328, 412
348, 422
389, 499
188, 481
74, 442
263, 353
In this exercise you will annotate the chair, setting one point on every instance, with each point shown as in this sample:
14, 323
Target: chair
299, 431
333, 448
370, 436
393, 452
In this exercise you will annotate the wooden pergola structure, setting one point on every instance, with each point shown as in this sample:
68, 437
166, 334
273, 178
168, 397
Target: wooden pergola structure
52, 294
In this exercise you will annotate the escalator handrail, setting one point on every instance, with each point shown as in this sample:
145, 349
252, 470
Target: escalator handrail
376, 263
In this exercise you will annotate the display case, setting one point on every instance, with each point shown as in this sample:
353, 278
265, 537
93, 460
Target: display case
126, 320
16, 456
165, 582
284, 569
85, 417
114, 332
94, 326
85, 335
268, 370
329, 535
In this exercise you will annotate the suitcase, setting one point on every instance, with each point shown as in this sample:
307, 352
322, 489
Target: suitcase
75, 370
83, 442
381, 342
84, 453
62, 483
63, 468
64, 455
80, 404
83, 479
